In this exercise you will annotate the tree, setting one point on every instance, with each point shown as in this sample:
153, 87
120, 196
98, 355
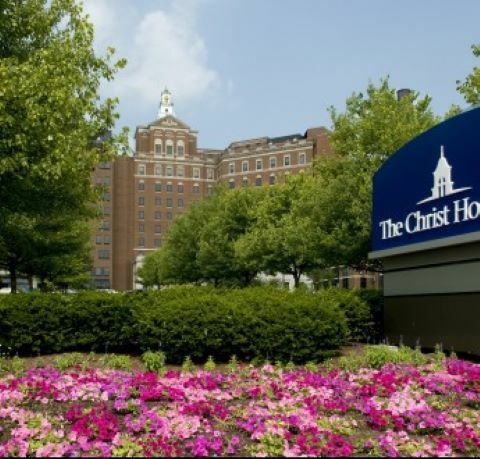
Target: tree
282, 238
50, 118
470, 87
200, 244
372, 128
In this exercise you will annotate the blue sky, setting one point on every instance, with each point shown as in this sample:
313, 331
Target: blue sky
248, 68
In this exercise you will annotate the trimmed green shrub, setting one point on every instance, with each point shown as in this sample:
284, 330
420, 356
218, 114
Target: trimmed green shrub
262, 322
374, 300
154, 361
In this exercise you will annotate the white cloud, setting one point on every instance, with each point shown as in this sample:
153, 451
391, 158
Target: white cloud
163, 48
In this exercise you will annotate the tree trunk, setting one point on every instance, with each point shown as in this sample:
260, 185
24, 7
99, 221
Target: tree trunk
13, 279
30, 282
296, 277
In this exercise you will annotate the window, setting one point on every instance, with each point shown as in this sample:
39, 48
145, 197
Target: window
180, 171
196, 188
301, 158
210, 190
169, 202
158, 186
157, 215
104, 165
158, 170
169, 216
180, 149
158, 242
210, 175
141, 201
101, 272
107, 211
158, 229
102, 283
169, 187
106, 180
169, 148
272, 180
141, 215
106, 196
99, 239
107, 239
196, 172
158, 147
169, 171
231, 168
363, 282
345, 282
231, 184
258, 181
180, 202
259, 164
141, 242
273, 163
106, 225
141, 169
158, 201
180, 188
104, 254
244, 181
141, 185
244, 166
98, 180
141, 228
286, 160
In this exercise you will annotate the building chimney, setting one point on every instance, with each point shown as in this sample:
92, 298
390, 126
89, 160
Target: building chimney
401, 93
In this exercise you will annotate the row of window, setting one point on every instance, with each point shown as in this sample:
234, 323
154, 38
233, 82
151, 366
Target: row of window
156, 242
157, 215
156, 228
169, 187
105, 225
103, 240
101, 271
170, 149
158, 201
178, 171
258, 181
102, 180
272, 163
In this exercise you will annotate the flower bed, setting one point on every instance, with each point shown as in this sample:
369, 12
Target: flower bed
428, 410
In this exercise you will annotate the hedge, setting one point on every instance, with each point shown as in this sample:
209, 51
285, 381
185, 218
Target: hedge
260, 322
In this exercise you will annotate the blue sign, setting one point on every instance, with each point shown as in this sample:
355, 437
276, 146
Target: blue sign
430, 188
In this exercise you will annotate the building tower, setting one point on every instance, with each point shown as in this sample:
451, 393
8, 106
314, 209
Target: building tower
166, 105
442, 177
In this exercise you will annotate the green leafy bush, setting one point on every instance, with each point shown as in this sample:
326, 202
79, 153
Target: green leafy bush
117, 362
154, 361
262, 322
64, 361
374, 300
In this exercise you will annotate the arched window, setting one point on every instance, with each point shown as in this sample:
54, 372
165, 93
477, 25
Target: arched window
169, 147
180, 149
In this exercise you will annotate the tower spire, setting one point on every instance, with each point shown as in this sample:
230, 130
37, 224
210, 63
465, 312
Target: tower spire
166, 105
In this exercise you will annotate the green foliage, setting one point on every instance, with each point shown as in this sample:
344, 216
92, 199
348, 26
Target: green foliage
50, 117
233, 363
357, 312
375, 302
311, 366
65, 361
470, 87
195, 321
379, 355
187, 365
373, 126
117, 362
154, 361
210, 364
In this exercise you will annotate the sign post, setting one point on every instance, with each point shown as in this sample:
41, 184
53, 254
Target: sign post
426, 231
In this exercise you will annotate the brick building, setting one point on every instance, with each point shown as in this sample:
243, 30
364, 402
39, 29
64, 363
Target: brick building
167, 172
